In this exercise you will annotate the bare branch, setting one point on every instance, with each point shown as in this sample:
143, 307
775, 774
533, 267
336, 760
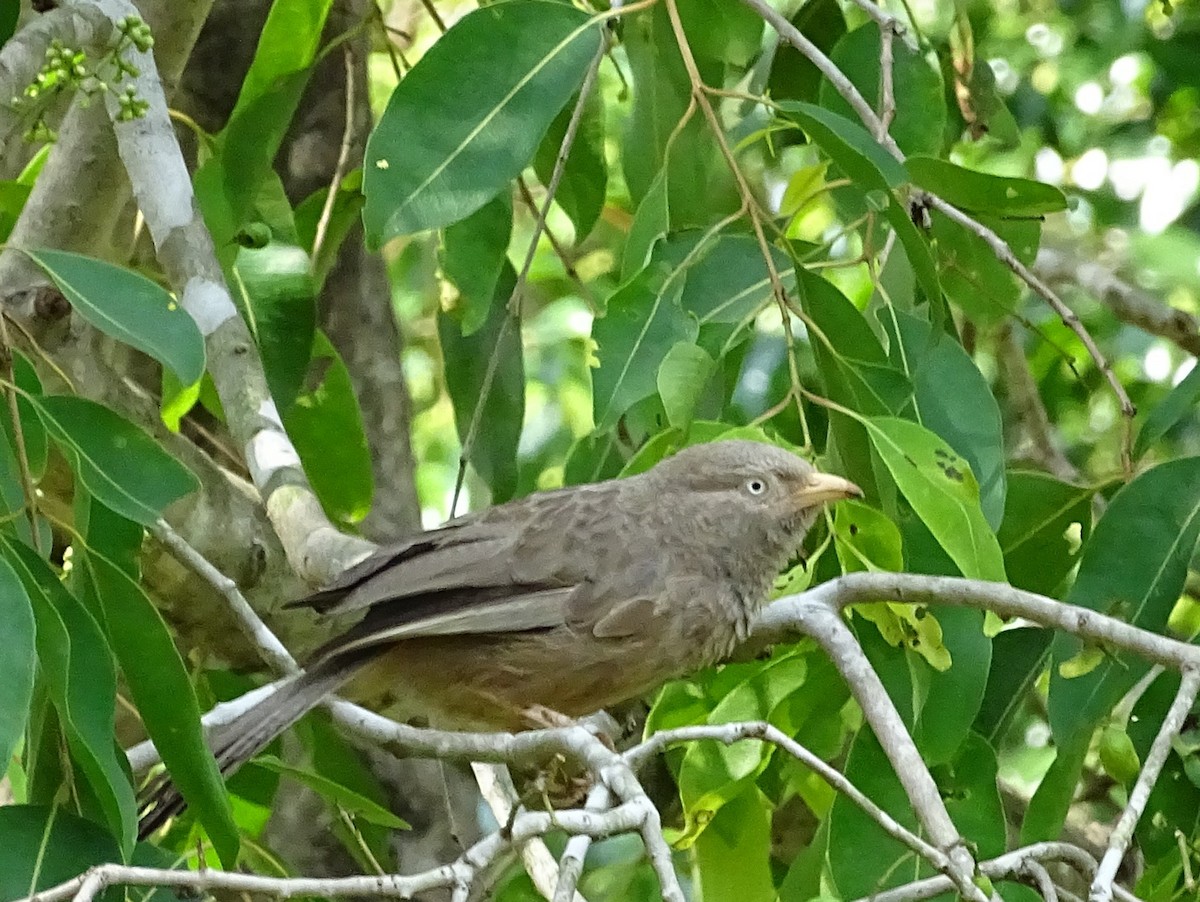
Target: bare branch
1027, 404
829, 69
1122, 835
785, 616
1005, 255
570, 866
1128, 303
1036, 871
737, 732
343, 158
496, 786
526, 825
1010, 863
998, 246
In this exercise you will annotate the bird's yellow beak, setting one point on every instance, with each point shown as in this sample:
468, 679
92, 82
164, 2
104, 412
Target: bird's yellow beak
823, 487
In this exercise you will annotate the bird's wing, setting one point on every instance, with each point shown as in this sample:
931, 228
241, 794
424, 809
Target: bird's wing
510, 569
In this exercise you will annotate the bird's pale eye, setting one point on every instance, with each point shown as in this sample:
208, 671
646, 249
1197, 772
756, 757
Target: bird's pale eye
756, 485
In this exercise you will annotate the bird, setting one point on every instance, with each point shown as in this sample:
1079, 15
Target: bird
564, 601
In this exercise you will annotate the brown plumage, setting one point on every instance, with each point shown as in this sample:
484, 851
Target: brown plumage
571, 600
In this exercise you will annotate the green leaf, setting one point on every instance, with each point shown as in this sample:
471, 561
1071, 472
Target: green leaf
326, 425
849, 145
980, 192
920, 121
1046, 522
336, 794
682, 375
733, 856
1133, 568
278, 298
698, 187
972, 796
712, 773
866, 539
920, 258
42, 846
129, 307
863, 859
793, 75
267, 102
953, 399
117, 462
76, 664
343, 218
942, 490
592, 458
333, 757
1051, 801
516, 63
728, 284
721, 31
288, 44
584, 181
164, 697
13, 196
650, 222
1018, 659
493, 453
17, 664
474, 254
1178, 403
1173, 809
31, 426
971, 274
642, 322
856, 374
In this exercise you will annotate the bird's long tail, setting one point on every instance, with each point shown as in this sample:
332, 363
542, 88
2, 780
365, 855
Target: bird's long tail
241, 739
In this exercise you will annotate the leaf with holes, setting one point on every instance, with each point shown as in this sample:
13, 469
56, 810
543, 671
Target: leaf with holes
942, 490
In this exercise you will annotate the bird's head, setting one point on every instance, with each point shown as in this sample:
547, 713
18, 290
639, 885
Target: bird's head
755, 487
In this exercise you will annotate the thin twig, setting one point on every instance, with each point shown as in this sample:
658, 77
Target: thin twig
1008, 864
1128, 302
885, 20
1026, 402
1121, 836
18, 434
828, 68
737, 732
562, 253
1005, 255
998, 246
513, 307
1036, 871
267, 643
343, 159
749, 202
526, 825
434, 15
496, 785
887, 91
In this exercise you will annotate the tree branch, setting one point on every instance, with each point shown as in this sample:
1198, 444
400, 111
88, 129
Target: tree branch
1122, 834
1128, 303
